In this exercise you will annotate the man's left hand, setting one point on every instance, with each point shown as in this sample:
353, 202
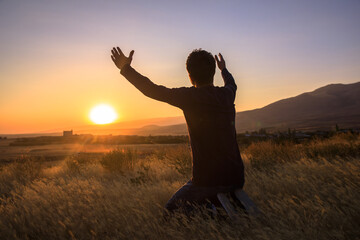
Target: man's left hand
119, 58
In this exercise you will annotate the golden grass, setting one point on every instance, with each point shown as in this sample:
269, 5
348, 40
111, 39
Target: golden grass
306, 191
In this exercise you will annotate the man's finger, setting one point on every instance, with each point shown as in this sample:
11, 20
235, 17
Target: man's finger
113, 58
221, 57
120, 52
131, 54
114, 52
216, 58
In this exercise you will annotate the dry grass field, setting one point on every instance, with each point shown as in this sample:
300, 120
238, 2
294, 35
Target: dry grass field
305, 191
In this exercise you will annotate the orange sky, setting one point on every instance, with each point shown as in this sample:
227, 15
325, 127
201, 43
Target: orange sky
55, 57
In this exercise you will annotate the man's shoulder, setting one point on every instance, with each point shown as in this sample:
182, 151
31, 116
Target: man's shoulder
183, 88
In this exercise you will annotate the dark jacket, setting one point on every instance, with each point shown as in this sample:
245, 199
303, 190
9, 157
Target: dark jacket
210, 116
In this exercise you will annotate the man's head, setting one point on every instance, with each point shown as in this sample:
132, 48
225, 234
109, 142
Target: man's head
200, 65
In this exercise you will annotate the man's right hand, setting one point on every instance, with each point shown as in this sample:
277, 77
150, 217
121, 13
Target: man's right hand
120, 59
220, 63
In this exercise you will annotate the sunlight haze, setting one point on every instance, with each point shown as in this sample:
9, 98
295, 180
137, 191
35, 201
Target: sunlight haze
55, 61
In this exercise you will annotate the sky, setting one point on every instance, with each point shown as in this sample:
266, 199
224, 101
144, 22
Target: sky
55, 63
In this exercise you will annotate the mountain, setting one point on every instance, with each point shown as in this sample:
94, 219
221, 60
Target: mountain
320, 109
317, 110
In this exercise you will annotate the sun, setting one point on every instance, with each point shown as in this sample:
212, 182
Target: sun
103, 114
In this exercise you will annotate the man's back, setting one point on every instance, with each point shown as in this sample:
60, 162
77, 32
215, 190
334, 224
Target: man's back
210, 116
211, 125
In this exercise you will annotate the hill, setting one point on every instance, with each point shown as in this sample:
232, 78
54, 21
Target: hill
319, 109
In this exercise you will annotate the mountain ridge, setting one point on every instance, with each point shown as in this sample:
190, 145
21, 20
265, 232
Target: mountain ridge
324, 107
320, 109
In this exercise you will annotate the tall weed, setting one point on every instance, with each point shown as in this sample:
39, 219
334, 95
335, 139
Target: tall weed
268, 153
119, 160
23, 171
180, 159
301, 197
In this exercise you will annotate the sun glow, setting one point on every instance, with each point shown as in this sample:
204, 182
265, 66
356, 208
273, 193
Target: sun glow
103, 114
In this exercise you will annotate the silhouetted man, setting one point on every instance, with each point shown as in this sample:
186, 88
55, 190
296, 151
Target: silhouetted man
210, 116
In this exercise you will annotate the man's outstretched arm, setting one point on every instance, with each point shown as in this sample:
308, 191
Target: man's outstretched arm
228, 78
148, 88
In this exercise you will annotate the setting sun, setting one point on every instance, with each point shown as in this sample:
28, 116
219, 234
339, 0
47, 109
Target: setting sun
103, 114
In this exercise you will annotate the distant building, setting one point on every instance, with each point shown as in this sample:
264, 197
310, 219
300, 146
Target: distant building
68, 133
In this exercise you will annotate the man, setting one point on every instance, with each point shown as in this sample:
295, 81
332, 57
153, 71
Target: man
210, 116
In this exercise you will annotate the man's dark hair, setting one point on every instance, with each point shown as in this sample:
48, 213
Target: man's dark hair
201, 66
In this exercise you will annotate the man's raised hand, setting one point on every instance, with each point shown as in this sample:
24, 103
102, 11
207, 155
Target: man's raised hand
221, 62
119, 58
